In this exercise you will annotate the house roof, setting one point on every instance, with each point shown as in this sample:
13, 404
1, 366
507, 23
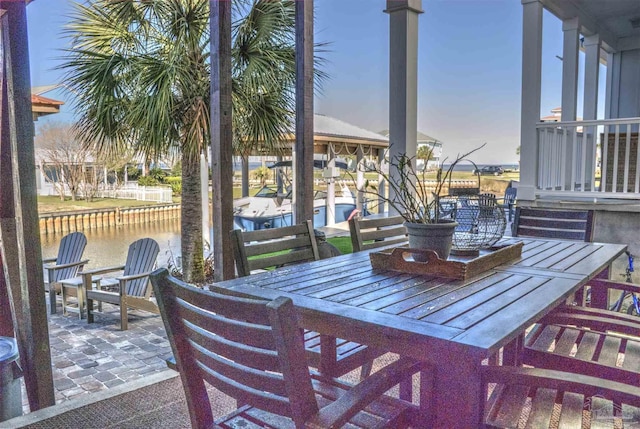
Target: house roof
328, 126
41, 106
422, 137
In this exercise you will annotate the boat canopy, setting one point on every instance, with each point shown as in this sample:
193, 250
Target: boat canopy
317, 163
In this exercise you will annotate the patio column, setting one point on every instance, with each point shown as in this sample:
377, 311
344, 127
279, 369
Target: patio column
592, 46
330, 202
403, 77
382, 184
19, 231
276, 171
359, 178
221, 138
303, 146
613, 84
570, 49
207, 233
531, 93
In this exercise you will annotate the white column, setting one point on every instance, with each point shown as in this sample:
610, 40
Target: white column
531, 93
330, 201
207, 232
360, 180
382, 184
403, 76
591, 76
607, 89
570, 48
613, 85
590, 109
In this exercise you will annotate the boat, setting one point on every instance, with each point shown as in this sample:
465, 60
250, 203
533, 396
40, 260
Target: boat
268, 209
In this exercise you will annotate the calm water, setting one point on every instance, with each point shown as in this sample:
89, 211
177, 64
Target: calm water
109, 246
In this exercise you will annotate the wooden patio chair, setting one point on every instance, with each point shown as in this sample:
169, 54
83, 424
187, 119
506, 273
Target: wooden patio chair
377, 232
586, 341
539, 398
559, 224
267, 248
64, 266
132, 289
253, 351
508, 202
591, 341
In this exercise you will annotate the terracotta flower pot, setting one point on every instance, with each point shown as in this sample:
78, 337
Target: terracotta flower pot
432, 236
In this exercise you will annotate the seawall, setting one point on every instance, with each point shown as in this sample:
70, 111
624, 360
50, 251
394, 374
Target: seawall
63, 222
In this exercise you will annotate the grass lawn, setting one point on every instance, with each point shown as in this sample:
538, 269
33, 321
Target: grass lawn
342, 243
52, 204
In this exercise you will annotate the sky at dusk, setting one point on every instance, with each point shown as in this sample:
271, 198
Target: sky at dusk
469, 69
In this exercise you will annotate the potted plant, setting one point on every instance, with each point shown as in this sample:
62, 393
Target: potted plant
412, 199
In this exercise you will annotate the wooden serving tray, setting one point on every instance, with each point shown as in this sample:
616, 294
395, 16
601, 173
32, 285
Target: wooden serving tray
456, 267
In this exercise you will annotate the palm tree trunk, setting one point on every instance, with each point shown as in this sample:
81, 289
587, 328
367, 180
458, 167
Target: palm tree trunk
245, 175
191, 220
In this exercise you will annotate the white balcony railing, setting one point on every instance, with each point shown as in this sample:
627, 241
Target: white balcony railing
596, 159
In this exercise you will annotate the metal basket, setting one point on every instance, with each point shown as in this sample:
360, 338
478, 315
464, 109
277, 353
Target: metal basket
481, 222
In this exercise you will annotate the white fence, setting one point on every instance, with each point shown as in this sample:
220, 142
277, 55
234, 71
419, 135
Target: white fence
130, 191
596, 159
141, 193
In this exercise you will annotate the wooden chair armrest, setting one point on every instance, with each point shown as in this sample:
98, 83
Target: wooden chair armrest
338, 413
133, 276
612, 284
62, 266
48, 260
566, 381
600, 320
104, 270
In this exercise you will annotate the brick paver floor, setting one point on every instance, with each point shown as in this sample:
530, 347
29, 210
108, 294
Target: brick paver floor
92, 357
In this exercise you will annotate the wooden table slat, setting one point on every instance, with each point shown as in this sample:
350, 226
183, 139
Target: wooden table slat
493, 333
459, 307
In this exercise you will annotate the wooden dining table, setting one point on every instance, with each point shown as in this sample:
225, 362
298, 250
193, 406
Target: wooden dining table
452, 324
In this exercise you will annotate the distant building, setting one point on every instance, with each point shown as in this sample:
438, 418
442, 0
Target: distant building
432, 143
556, 116
41, 106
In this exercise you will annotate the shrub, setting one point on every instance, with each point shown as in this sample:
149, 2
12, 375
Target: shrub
263, 174
148, 181
133, 173
175, 183
157, 174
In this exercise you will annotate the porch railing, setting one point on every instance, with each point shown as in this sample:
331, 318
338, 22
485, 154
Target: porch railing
596, 158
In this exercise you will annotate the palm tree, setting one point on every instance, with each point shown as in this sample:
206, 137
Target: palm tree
425, 153
140, 72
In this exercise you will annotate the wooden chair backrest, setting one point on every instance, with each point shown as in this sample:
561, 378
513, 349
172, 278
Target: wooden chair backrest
486, 204
251, 350
141, 258
70, 251
510, 195
275, 246
561, 224
373, 233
